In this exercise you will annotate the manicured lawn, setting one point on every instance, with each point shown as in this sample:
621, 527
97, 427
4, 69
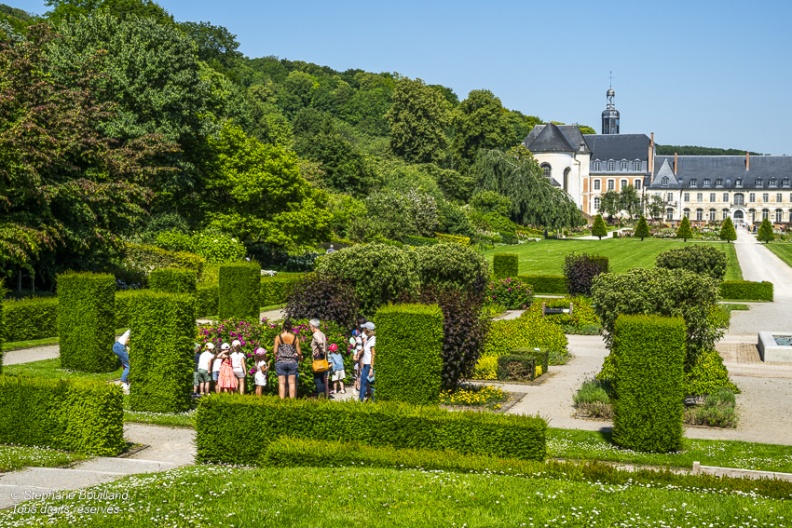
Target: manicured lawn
331, 497
19, 345
783, 250
18, 457
546, 257
50, 369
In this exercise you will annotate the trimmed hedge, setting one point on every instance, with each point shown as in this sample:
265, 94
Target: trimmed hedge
276, 290
86, 321
231, 429
546, 283
698, 258
542, 357
28, 319
85, 417
206, 300
2, 329
173, 280
454, 239
161, 352
742, 290
649, 353
147, 258
239, 291
123, 307
515, 367
409, 364
505, 265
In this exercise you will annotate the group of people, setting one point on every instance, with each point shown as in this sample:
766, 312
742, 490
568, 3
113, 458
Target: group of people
227, 369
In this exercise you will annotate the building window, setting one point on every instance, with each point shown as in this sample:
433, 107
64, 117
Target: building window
686, 212
669, 214
692, 182
707, 182
566, 179
785, 182
637, 185
765, 197
790, 216
779, 197
596, 185
596, 203
712, 215
773, 183
759, 183
611, 165
597, 166
636, 165
546, 169
686, 197
738, 183
725, 214
752, 197
664, 181
726, 197
719, 182
623, 165
753, 215
623, 185
739, 199
611, 185
699, 197
765, 214
712, 197
779, 216
699, 214
670, 197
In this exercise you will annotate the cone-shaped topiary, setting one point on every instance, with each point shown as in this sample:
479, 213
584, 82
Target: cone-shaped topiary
684, 231
599, 229
642, 229
765, 233
727, 231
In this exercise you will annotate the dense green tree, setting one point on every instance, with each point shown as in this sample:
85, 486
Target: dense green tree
417, 119
727, 231
584, 129
699, 258
642, 229
521, 124
765, 233
610, 204
480, 123
455, 185
368, 105
491, 202
14, 22
630, 201
72, 10
654, 206
215, 45
599, 229
684, 231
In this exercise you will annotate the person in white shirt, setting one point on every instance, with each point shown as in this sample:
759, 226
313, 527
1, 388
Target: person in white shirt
262, 367
238, 364
367, 362
120, 349
204, 364
216, 363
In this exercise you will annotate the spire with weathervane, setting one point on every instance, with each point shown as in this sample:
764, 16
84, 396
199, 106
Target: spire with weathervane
610, 116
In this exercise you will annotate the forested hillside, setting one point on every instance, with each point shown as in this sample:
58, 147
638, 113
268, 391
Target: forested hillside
119, 124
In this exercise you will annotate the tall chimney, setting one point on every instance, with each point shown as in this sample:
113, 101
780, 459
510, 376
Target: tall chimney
676, 163
651, 154
747, 161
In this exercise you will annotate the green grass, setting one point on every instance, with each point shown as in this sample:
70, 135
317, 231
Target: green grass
305, 496
171, 420
782, 250
572, 444
13, 458
47, 341
546, 257
735, 307
50, 369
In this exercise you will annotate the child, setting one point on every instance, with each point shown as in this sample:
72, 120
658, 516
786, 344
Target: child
338, 368
262, 367
205, 360
227, 381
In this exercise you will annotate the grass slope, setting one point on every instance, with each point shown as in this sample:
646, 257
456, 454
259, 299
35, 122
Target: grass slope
783, 251
546, 257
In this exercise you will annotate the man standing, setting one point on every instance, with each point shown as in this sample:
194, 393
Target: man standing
319, 349
204, 365
369, 355
120, 349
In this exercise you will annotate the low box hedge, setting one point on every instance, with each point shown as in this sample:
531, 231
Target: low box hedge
542, 356
514, 367
409, 347
162, 332
276, 290
29, 319
546, 283
742, 290
173, 280
86, 321
233, 429
239, 291
453, 239
505, 265
75, 415
649, 357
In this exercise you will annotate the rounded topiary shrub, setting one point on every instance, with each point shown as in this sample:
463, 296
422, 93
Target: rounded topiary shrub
700, 258
452, 265
505, 265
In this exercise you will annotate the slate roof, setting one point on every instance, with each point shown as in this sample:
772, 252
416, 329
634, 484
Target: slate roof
548, 138
618, 146
729, 169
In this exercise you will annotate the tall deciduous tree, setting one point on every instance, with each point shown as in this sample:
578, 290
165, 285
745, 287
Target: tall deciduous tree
481, 122
610, 203
654, 206
630, 201
765, 233
417, 120
727, 231
684, 231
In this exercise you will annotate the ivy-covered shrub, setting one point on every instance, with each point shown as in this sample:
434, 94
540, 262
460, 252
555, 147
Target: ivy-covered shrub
505, 265
649, 354
699, 258
85, 417
239, 291
86, 321
236, 430
325, 298
277, 289
206, 300
542, 357
162, 334
546, 283
580, 271
173, 280
583, 320
512, 292
452, 266
34, 318
516, 367
740, 290
380, 273
409, 347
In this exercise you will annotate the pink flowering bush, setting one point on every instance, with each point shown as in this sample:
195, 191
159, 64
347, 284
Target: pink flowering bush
511, 292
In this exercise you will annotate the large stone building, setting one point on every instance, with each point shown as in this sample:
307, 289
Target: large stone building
703, 188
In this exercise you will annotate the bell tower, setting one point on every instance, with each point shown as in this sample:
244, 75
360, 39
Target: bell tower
610, 116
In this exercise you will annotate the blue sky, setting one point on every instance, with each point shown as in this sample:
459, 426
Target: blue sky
693, 72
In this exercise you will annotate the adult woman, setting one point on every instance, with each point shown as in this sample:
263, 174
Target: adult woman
319, 349
367, 362
287, 355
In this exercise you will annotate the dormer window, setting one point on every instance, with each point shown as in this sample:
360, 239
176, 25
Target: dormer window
707, 182
773, 183
785, 182
664, 181
693, 182
597, 166
738, 183
759, 183
637, 165
719, 182
611, 165
623, 165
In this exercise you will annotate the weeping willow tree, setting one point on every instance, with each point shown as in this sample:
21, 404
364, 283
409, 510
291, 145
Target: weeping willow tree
516, 175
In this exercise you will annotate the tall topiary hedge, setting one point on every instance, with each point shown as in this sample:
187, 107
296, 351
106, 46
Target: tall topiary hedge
505, 265
649, 353
161, 352
239, 293
236, 430
206, 299
409, 347
173, 280
34, 318
699, 258
2, 327
86, 321
85, 417
276, 290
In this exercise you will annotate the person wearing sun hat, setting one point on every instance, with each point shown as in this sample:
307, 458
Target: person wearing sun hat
319, 349
204, 364
238, 364
227, 381
337, 361
367, 360
262, 367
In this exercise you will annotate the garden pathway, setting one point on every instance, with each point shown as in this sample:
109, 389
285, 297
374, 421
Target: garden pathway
169, 448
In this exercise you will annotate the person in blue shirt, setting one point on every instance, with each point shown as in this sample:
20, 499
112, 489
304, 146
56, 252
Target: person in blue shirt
337, 361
